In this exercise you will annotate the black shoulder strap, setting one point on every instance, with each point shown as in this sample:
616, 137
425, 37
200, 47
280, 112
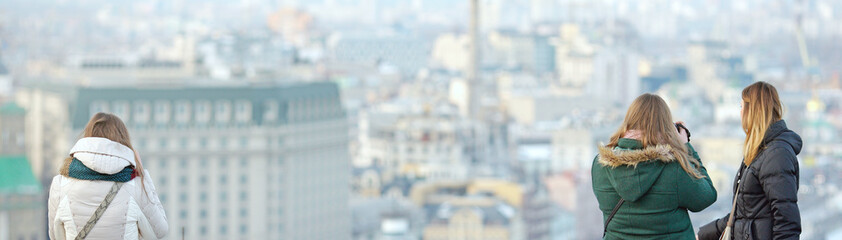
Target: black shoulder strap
620, 203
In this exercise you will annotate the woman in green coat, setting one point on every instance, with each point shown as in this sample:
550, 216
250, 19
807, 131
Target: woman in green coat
652, 167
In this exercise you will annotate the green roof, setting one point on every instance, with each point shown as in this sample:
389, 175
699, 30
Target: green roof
16, 176
11, 108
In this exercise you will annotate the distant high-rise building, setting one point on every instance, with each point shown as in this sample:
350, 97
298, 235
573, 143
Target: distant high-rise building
615, 75
238, 162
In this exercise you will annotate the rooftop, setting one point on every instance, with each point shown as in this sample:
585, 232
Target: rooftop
11, 108
258, 95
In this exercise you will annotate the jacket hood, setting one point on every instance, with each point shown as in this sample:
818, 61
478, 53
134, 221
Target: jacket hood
103, 155
632, 169
779, 132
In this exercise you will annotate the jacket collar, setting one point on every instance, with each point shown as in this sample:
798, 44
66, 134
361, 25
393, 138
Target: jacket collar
103, 155
773, 131
629, 143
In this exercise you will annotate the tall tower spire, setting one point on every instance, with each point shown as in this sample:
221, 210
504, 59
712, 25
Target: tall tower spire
473, 67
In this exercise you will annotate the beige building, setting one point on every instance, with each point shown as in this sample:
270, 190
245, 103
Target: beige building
574, 57
451, 52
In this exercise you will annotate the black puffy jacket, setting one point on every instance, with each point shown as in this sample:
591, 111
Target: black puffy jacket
767, 207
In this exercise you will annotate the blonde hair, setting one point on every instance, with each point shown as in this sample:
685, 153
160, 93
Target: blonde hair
650, 114
761, 107
105, 125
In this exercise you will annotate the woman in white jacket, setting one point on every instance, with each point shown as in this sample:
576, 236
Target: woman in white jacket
101, 162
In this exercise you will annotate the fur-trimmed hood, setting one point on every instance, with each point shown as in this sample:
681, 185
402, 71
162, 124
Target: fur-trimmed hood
623, 157
632, 169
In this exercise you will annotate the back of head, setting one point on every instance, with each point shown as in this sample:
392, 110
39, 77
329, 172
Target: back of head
106, 125
651, 115
109, 126
761, 106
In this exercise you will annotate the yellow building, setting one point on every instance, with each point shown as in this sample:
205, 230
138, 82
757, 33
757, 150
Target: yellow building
470, 218
440, 192
476, 209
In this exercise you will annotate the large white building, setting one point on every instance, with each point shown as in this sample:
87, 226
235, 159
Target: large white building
238, 162
429, 146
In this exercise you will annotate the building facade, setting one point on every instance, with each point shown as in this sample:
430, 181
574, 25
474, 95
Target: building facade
238, 162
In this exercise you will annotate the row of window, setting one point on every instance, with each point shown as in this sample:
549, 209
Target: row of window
223, 229
201, 143
203, 180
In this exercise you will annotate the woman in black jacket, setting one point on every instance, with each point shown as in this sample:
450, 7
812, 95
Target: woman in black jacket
767, 204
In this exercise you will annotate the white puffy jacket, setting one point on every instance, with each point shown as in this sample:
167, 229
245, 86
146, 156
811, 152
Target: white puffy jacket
132, 214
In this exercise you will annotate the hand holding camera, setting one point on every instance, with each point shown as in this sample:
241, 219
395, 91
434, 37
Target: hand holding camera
683, 132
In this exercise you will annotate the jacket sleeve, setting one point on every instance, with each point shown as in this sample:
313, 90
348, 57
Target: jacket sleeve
779, 178
695, 194
52, 205
713, 230
152, 208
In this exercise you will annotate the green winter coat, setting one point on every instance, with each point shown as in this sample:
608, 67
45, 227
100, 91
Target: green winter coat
658, 192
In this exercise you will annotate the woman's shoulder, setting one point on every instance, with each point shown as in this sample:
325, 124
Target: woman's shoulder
776, 157
134, 186
57, 180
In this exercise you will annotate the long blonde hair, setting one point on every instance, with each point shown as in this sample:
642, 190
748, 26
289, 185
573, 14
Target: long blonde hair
761, 107
650, 114
105, 125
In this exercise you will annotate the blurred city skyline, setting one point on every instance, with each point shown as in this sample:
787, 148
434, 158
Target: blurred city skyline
403, 119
